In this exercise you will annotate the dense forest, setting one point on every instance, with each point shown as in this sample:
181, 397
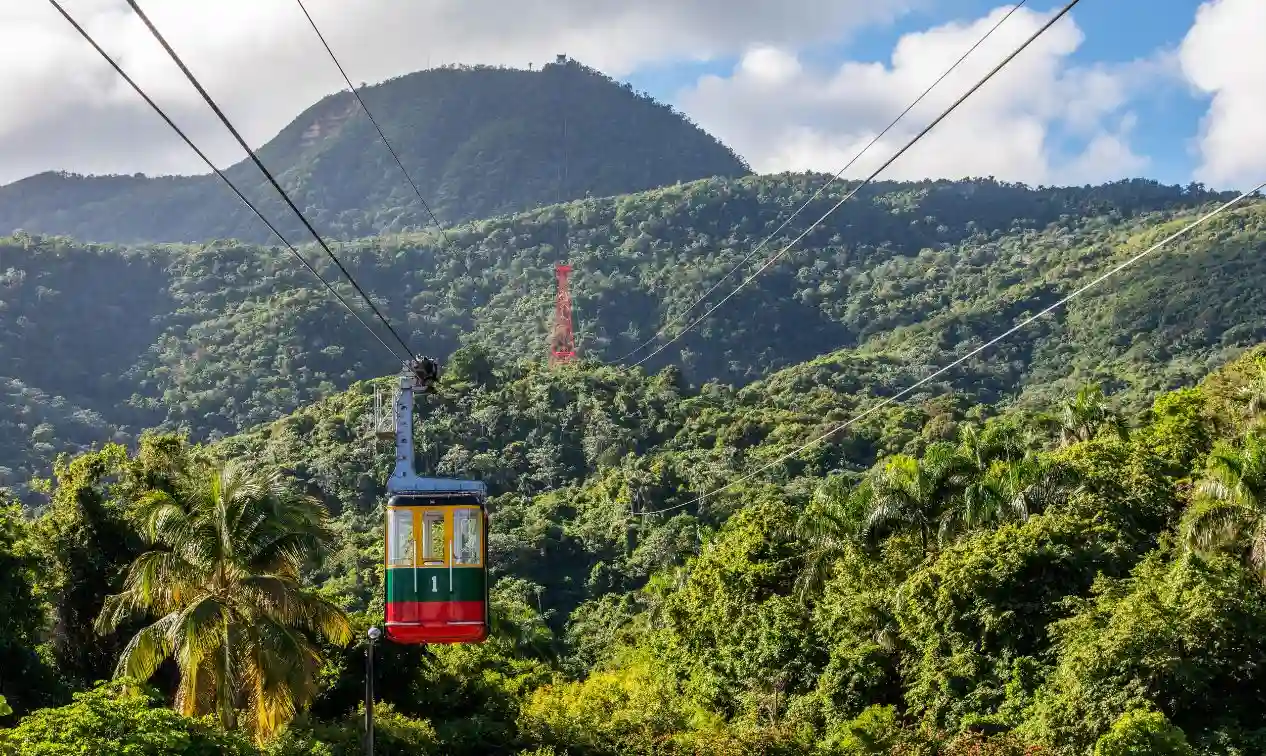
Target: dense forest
98, 342
479, 141
947, 577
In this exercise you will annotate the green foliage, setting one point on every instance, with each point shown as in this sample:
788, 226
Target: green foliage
394, 735
106, 720
636, 708
222, 578
975, 621
702, 628
875, 731
958, 574
1143, 733
220, 335
1229, 507
734, 627
1177, 636
25, 679
87, 542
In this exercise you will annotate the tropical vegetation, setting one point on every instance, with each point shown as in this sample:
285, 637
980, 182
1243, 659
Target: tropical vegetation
99, 342
950, 578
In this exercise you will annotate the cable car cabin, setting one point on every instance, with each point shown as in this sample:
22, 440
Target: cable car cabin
437, 579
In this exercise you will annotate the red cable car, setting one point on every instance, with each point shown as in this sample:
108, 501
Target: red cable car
437, 530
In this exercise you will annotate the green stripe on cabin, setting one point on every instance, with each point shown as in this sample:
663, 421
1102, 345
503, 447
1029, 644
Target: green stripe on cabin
432, 584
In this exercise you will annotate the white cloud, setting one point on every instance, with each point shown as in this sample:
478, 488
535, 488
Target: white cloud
65, 109
783, 115
1224, 54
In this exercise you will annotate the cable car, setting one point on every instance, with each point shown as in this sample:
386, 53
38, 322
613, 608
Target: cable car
437, 532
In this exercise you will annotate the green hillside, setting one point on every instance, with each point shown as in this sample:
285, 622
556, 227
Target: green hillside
947, 578
479, 142
221, 336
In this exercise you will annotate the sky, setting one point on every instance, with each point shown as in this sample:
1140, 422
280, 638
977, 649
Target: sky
1173, 90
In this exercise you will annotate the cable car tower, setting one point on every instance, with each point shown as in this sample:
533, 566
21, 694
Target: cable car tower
436, 577
562, 346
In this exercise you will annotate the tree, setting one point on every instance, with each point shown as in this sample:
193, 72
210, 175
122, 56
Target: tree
1253, 395
471, 364
109, 721
223, 579
1180, 635
983, 446
88, 543
1140, 732
918, 494
1029, 485
23, 676
1229, 508
830, 526
1086, 415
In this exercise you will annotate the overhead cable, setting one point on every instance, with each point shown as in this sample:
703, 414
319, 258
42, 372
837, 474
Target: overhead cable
157, 109
374, 121
264, 170
826, 185
1069, 6
904, 392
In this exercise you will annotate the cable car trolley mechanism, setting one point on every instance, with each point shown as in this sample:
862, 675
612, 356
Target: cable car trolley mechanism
437, 530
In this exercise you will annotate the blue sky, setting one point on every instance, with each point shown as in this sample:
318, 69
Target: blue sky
1168, 115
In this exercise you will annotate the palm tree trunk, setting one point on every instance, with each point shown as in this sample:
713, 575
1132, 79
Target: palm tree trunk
224, 688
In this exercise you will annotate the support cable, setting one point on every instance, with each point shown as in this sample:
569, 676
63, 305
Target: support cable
267, 174
374, 121
826, 185
1076, 293
1069, 6
157, 109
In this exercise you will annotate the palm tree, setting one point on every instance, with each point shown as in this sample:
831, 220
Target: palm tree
1009, 491
981, 498
997, 440
223, 580
1086, 415
1229, 506
1254, 397
1029, 485
831, 524
919, 494
982, 445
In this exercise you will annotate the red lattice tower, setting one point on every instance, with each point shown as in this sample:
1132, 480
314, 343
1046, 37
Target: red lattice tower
562, 342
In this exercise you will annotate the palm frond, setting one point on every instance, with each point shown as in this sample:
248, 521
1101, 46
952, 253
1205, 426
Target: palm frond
1212, 523
148, 649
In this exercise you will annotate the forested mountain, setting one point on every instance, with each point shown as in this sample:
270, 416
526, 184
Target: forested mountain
98, 340
1053, 550
948, 578
479, 142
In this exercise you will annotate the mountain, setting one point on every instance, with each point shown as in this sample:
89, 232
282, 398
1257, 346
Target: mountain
99, 340
479, 142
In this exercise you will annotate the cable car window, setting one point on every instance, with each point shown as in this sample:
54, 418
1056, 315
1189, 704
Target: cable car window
466, 536
433, 537
400, 537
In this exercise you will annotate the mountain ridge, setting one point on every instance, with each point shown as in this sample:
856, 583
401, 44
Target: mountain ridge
222, 336
479, 141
